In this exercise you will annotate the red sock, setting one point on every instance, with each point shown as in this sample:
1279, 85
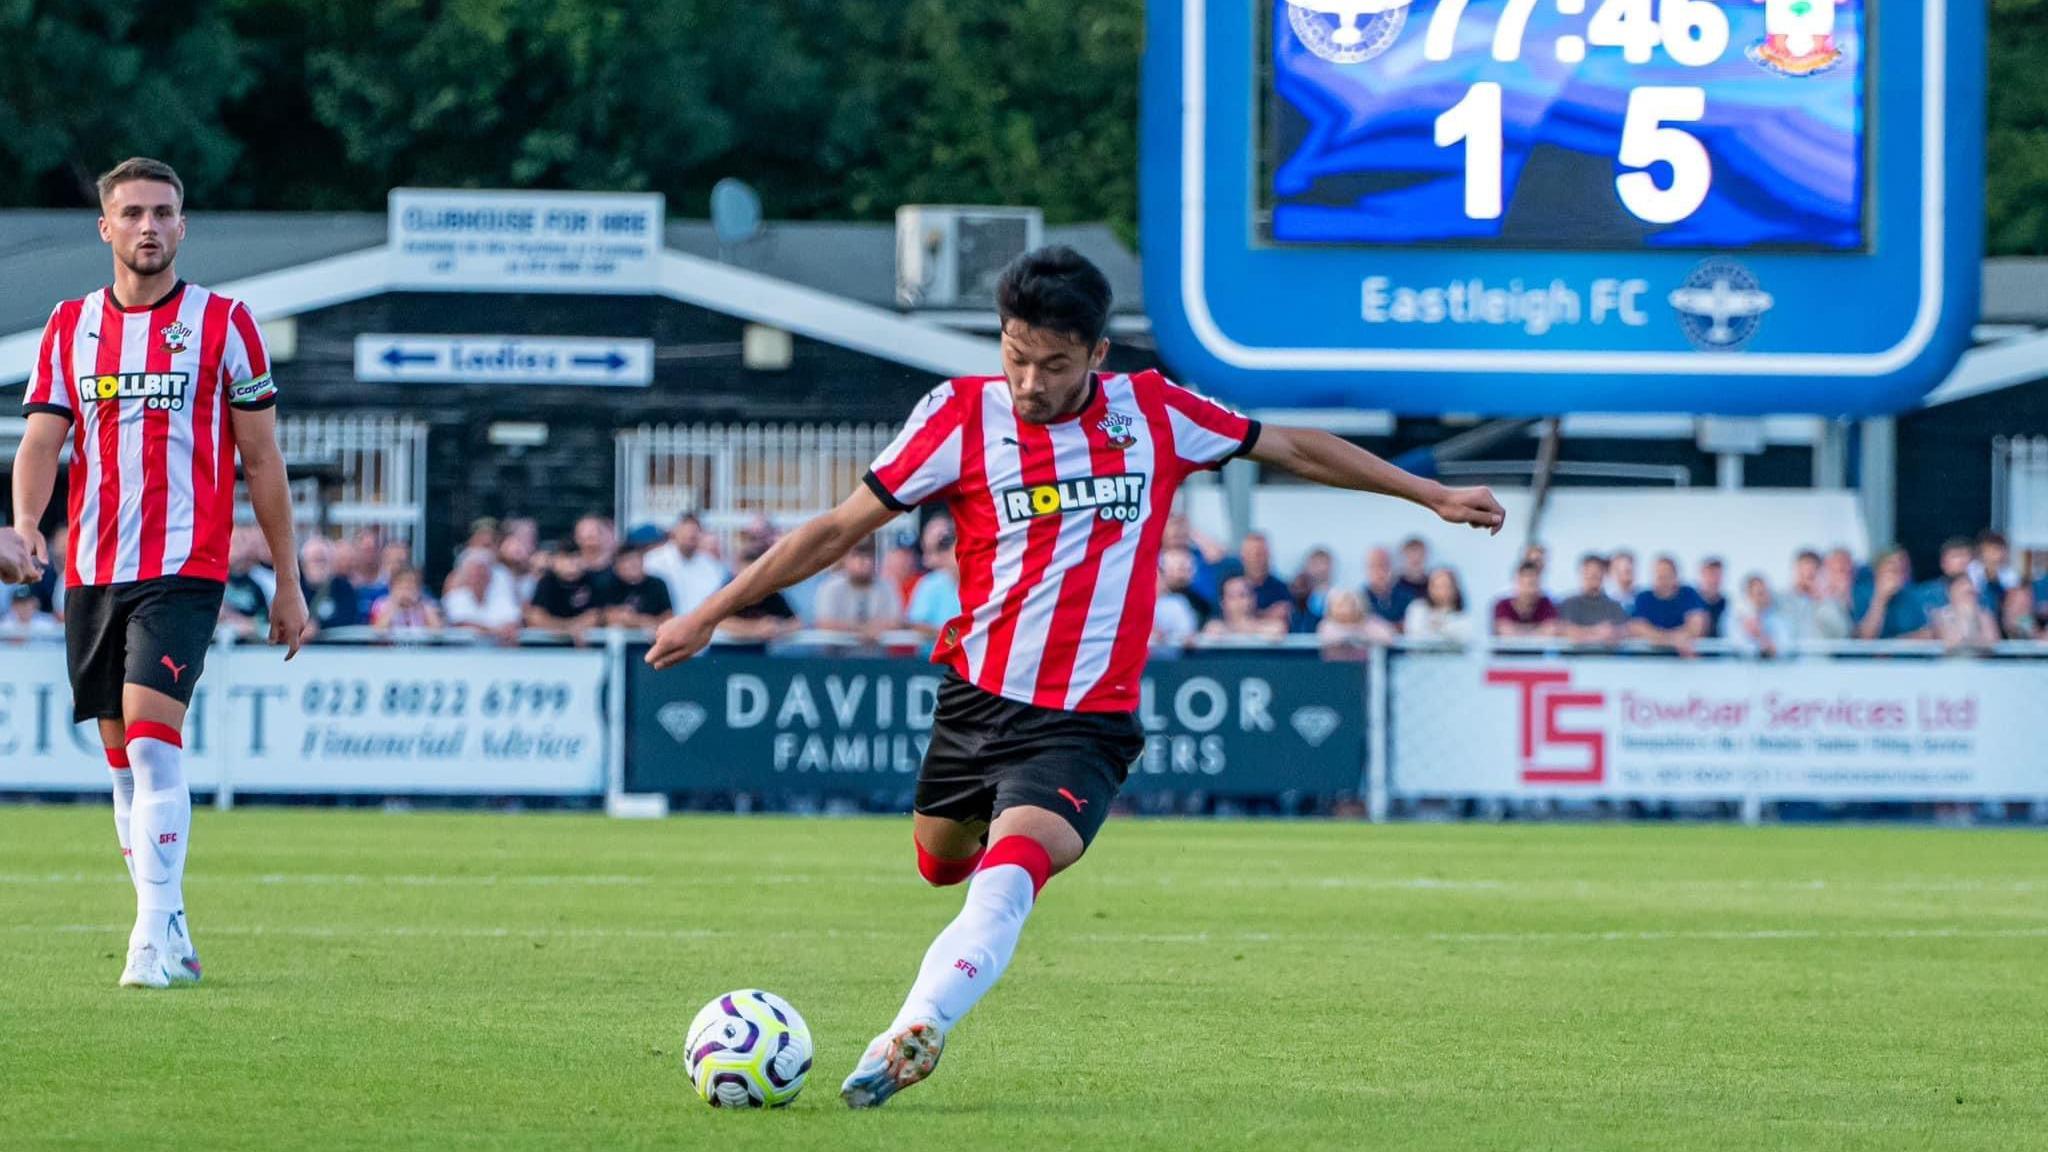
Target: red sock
939, 871
1025, 853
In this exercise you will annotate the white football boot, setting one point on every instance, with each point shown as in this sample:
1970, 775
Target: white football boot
893, 1062
148, 967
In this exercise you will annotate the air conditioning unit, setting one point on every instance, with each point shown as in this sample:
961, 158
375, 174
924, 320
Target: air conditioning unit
948, 256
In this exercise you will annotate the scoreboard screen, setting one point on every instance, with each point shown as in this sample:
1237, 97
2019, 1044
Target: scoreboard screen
1599, 125
1523, 207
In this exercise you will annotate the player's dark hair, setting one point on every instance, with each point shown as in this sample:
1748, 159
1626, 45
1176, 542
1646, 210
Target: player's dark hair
140, 168
1991, 536
1057, 289
1808, 554
1529, 568
1958, 542
1593, 558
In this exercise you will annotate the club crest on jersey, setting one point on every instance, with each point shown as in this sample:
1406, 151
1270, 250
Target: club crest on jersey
1117, 427
175, 334
165, 390
1109, 497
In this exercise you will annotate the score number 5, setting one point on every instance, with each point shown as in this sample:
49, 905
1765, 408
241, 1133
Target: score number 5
1645, 140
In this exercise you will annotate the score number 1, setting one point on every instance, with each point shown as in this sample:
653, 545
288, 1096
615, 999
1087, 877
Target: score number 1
1692, 32
1645, 140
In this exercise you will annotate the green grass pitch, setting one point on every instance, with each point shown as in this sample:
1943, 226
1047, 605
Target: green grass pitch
451, 981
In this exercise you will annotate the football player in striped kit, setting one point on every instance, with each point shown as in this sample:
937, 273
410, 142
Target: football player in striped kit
1059, 479
158, 385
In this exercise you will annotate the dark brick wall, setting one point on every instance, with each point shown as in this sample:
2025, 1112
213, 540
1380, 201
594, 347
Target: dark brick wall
698, 377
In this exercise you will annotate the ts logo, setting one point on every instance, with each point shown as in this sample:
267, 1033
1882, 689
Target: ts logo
1545, 692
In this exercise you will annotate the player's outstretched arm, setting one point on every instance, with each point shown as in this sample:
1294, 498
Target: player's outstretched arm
270, 496
1313, 454
794, 559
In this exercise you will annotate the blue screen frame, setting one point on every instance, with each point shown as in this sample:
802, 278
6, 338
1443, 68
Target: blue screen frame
1840, 333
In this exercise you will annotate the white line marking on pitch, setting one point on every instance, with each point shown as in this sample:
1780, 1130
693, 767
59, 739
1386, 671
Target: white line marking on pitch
570, 933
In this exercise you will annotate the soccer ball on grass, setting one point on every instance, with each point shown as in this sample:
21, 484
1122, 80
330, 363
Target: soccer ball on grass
748, 1049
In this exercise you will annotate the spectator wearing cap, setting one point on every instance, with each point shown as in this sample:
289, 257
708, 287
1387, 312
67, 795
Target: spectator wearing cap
1712, 575
935, 600
1808, 614
689, 569
1963, 624
476, 600
853, 602
1668, 614
25, 618
568, 600
1591, 616
637, 600
1891, 609
1526, 612
1755, 626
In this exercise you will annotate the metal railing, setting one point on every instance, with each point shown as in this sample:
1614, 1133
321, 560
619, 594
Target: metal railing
363, 470
2019, 489
727, 474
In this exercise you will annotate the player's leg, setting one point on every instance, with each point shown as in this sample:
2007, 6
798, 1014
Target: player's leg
168, 634
1058, 777
948, 850
95, 627
114, 738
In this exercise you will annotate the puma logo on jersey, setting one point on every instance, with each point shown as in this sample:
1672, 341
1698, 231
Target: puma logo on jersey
177, 670
1109, 497
1070, 798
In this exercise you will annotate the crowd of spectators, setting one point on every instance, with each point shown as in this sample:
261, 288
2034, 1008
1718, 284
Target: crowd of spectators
506, 584
1979, 598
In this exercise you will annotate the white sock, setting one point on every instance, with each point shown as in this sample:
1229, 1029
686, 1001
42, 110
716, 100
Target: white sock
966, 959
124, 801
159, 825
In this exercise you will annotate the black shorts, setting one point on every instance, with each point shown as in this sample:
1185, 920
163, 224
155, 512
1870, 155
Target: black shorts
150, 632
989, 754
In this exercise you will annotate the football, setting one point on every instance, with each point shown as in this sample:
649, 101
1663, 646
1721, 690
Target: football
748, 1049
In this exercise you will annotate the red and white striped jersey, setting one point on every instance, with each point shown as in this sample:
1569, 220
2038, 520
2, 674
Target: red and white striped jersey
152, 455
1057, 526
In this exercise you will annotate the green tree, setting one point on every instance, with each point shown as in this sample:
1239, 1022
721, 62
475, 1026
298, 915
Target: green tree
87, 83
2017, 143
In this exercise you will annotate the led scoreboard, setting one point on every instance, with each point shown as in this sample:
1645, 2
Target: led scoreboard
1529, 206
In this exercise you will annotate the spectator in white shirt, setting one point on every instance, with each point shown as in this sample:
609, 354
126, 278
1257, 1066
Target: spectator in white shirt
689, 569
1347, 630
1963, 623
1440, 615
477, 601
1174, 619
1807, 613
1754, 624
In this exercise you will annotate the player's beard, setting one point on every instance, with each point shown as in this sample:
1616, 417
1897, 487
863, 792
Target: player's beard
150, 261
